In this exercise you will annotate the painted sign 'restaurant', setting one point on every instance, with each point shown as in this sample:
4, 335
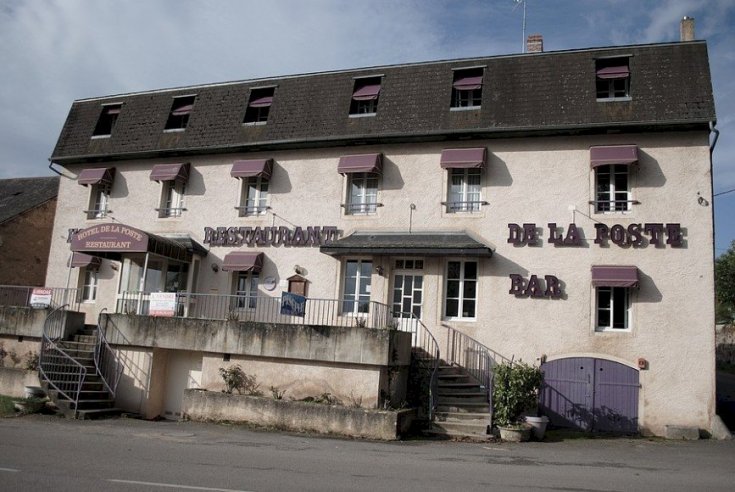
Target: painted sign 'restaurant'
270, 236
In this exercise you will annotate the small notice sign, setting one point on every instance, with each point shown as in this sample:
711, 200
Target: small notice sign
41, 298
293, 304
162, 304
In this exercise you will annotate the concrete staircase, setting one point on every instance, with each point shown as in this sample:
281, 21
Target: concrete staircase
463, 409
95, 401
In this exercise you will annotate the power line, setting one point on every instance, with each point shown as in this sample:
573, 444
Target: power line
723, 192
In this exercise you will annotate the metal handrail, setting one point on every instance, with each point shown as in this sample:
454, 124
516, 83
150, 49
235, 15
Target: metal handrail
472, 356
106, 361
423, 340
70, 373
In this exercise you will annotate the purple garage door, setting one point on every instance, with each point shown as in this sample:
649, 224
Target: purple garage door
590, 394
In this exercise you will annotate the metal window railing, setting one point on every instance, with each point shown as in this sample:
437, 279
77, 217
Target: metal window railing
361, 208
20, 296
467, 206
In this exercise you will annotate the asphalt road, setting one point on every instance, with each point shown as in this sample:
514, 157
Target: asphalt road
50, 453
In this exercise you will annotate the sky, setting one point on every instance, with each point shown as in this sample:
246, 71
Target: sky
55, 51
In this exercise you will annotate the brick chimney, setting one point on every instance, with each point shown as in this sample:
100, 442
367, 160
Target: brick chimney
687, 29
535, 43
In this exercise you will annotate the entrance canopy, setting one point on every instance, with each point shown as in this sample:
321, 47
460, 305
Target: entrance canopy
404, 243
243, 261
114, 240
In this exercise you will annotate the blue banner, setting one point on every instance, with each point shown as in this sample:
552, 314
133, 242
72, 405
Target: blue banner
293, 304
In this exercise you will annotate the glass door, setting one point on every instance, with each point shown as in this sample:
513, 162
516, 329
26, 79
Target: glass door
408, 290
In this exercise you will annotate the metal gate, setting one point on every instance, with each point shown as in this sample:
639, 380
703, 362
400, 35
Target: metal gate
590, 394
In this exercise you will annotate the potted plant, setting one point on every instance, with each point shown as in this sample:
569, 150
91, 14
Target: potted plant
515, 391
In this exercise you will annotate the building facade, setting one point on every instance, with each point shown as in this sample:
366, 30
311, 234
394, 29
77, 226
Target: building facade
553, 207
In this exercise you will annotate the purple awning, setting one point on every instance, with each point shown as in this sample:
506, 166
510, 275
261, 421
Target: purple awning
243, 261
112, 109
468, 83
182, 110
170, 172
81, 260
620, 72
613, 154
261, 102
366, 93
463, 158
252, 168
364, 163
96, 176
615, 276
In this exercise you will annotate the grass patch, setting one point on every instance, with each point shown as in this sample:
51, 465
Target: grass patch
6, 406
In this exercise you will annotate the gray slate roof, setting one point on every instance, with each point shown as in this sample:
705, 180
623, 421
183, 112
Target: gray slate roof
544, 93
18, 195
418, 243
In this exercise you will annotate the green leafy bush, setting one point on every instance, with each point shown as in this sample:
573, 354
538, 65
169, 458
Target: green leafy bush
515, 390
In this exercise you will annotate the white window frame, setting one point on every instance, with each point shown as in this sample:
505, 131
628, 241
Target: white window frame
360, 301
461, 298
260, 188
466, 193
89, 281
365, 200
613, 205
99, 200
617, 295
172, 198
245, 288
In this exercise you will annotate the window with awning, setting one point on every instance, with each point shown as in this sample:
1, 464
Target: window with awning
611, 164
107, 119
259, 105
81, 260
365, 96
170, 172
463, 158
612, 78
97, 176
467, 88
243, 261
601, 155
181, 109
252, 168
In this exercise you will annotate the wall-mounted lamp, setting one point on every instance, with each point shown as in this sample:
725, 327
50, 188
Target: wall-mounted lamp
215, 268
299, 270
114, 266
379, 270
642, 364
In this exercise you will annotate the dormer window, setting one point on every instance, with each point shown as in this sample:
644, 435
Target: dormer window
613, 78
180, 111
467, 88
259, 106
365, 96
107, 120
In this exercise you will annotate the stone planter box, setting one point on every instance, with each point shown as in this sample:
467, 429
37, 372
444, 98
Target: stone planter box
297, 416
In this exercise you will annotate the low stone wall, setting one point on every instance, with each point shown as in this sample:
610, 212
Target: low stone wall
28, 322
297, 416
14, 380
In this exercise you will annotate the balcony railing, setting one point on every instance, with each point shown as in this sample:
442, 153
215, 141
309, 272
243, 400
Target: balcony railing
20, 296
262, 309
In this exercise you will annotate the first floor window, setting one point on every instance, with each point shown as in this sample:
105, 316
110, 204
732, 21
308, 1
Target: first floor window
613, 191
464, 190
98, 202
254, 196
613, 308
89, 285
246, 290
362, 193
172, 199
356, 286
461, 290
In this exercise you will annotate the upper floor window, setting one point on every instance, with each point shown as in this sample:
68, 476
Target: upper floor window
181, 108
613, 291
100, 182
362, 194
464, 187
467, 88
173, 178
363, 172
613, 78
612, 165
89, 284
460, 294
259, 106
255, 175
365, 96
107, 120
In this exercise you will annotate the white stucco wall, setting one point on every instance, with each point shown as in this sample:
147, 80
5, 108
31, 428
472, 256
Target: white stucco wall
526, 180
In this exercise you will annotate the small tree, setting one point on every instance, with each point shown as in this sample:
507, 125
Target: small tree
725, 285
515, 390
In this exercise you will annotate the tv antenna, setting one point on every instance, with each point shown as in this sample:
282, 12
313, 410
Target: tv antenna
523, 32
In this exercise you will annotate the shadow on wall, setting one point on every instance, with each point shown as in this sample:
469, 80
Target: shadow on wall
497, 172
565, 413
648, 292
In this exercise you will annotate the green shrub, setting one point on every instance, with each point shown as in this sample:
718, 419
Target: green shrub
515, 390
